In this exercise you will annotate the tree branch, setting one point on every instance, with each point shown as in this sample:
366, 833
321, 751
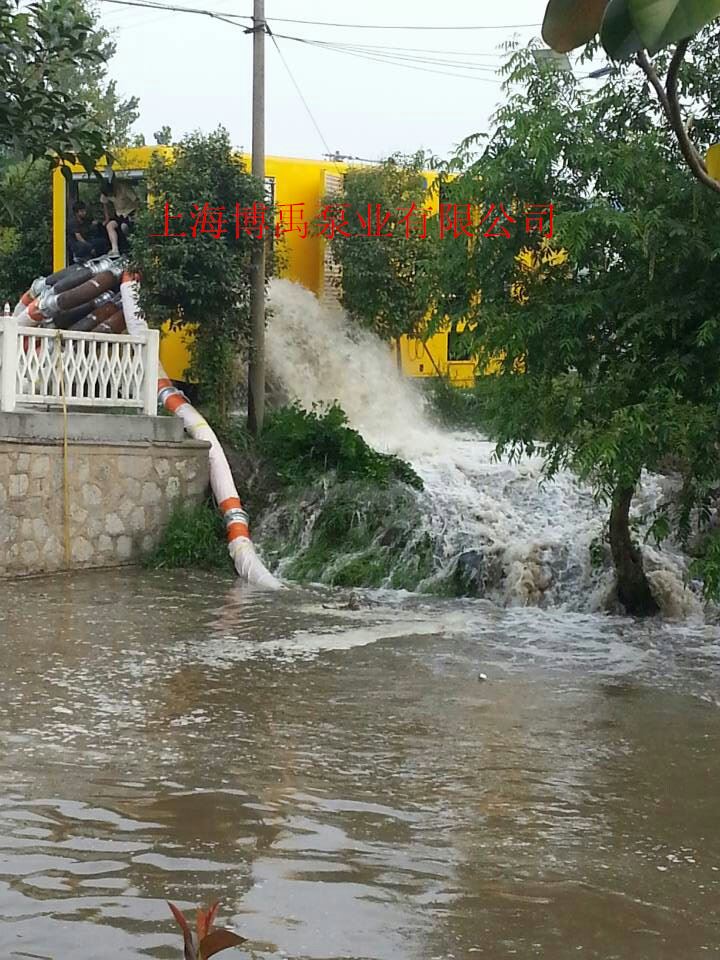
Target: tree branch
649, 71
671, 104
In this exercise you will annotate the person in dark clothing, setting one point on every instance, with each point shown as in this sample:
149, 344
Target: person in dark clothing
84, 238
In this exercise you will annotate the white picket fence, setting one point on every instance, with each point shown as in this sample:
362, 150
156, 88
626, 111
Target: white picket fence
59, 368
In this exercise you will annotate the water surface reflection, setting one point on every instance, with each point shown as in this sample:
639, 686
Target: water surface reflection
343, 780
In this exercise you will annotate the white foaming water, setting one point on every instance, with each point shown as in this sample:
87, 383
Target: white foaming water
532, 536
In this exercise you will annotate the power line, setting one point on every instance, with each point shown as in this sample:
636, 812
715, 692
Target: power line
421, 64
227, 16
230, 18
460, 53
299, 92
324, 23
387, 26
390, 57
377, 58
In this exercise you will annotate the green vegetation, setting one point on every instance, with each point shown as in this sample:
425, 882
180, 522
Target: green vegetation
638, 30
366, 515
609, 340
194, 537
55, 106
707, 565
359, 538
305, 445
380, 285
25, 227
456, 408
203, 283
365, 509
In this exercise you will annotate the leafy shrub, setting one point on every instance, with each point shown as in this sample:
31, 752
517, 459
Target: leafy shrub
25, 228
382, 278
707, 566
456, 407
203, 282
303, 445
194, 537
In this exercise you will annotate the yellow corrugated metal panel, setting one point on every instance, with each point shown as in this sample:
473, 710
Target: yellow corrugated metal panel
424, 358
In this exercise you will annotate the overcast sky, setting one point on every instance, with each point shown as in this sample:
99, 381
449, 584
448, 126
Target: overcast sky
194, 72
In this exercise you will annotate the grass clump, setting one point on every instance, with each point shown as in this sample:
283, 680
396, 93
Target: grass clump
364, 514
194, 537
303, 445
363, 536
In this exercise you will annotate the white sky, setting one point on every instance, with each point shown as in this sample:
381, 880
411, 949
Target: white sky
192, 72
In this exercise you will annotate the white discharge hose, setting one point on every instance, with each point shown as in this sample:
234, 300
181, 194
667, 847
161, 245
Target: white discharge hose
247, 563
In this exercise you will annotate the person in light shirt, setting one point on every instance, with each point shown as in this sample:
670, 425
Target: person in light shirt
120, 204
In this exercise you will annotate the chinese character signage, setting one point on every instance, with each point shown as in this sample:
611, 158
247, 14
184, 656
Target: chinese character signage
262, 220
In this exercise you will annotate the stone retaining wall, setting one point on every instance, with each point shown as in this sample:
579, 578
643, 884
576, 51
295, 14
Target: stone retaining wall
120, 495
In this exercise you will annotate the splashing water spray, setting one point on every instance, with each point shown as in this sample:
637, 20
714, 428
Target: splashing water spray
529, 539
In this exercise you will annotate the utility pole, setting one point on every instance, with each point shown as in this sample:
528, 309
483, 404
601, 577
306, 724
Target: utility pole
256, 373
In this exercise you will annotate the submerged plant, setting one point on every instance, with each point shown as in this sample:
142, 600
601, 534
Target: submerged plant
204, 942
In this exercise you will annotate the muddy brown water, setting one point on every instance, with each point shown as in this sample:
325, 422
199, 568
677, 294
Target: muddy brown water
343, 780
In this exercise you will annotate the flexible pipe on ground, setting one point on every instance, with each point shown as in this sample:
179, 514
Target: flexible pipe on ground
241, 549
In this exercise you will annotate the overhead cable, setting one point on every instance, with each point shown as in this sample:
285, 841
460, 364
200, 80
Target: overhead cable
377, 58
299, 92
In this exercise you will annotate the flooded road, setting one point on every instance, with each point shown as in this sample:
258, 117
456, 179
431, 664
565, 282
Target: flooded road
345, 782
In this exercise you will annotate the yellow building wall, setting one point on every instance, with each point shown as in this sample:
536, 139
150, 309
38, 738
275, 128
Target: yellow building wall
297, 181
301, 182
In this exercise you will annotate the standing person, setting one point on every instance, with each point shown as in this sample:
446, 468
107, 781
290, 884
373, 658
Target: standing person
120, 204
83, 236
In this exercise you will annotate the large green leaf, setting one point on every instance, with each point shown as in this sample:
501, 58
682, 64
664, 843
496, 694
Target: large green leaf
571, 23
617, 32
660, 22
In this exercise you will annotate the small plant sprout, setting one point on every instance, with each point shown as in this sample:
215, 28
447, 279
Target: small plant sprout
204, 942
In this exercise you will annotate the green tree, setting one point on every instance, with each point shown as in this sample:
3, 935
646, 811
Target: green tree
638, 30
91, 87
379, 273
39, 48
201, 280
25, 227
608, 334
57, 105
163, 136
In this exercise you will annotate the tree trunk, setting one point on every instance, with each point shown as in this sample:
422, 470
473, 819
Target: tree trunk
633, 589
